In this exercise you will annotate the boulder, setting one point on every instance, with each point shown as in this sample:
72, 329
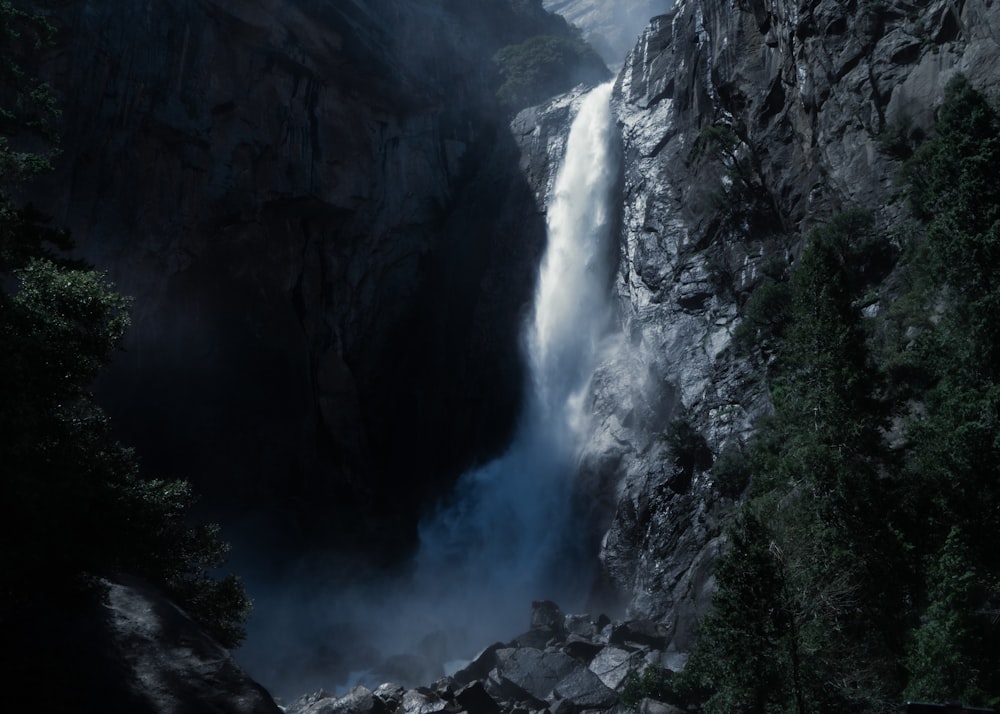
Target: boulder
474, 699
648, 633
582, 650
612, 665
585, 690
545, 614
480, 666
390, 696
580, 625
531, 671
423, 701
651, 706
359, 700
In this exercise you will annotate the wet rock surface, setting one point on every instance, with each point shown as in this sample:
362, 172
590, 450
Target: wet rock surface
806, 89
512, 677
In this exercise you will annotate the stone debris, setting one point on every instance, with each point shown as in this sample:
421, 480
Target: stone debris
564, 664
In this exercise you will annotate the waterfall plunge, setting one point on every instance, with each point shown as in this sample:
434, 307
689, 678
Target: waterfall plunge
506, 536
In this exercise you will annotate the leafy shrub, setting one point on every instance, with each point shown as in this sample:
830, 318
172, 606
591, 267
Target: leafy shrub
651, 683
73, 507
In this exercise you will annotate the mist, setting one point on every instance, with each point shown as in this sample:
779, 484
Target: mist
610, 26
506, 535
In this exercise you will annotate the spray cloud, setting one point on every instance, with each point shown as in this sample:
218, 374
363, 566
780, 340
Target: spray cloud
505, 537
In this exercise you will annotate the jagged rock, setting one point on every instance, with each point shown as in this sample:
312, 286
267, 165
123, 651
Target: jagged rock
481, 665
613, 664
585, 690
580, 625
546, 615
648, 633
474, 699
582, 650
530, 674
359, 700
390, 695
651, 706
423, 701
537, 638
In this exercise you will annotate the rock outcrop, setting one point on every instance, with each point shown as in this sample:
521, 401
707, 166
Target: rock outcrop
127, 650
803, 90
564, 663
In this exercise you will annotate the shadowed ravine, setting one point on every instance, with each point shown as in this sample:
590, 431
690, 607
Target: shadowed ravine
505, 535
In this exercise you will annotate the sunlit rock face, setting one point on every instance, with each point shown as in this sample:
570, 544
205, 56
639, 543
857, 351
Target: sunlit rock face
611, 26
318, 210
807, 87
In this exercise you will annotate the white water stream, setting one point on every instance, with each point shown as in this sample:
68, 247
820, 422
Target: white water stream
506, 537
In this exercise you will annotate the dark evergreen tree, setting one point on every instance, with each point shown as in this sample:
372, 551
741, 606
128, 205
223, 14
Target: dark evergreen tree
73, 507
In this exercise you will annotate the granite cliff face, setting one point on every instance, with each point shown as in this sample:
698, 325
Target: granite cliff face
331, 234
317, 209
805, 88
611, 27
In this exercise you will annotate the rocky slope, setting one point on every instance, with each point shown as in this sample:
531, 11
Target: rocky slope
134, 652
318, 212
804, 89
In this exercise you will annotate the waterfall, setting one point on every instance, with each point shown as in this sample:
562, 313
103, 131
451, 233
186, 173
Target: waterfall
506, 536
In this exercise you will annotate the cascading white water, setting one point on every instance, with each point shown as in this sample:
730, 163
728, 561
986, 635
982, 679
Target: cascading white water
505, 537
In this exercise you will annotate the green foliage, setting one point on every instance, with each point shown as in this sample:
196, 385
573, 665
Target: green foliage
651, 683
948, 651
742, 198
73, 506
765, 317
689, 451
868, 573
731, 471
747, 647
545, 65
801, 620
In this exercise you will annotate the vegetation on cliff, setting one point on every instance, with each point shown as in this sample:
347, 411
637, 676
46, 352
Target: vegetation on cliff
73, 506
861, 568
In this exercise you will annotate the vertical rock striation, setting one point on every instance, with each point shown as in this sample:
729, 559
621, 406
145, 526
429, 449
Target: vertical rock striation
803, 89
318, 210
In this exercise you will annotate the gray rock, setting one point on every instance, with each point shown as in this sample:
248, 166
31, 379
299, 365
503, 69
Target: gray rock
580, 625
390, 695
582, 650
648, 633
481, 665
651, 706
423, 701
531, 671
585, 690
613, 664
546, 615
474, 699
359, 700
